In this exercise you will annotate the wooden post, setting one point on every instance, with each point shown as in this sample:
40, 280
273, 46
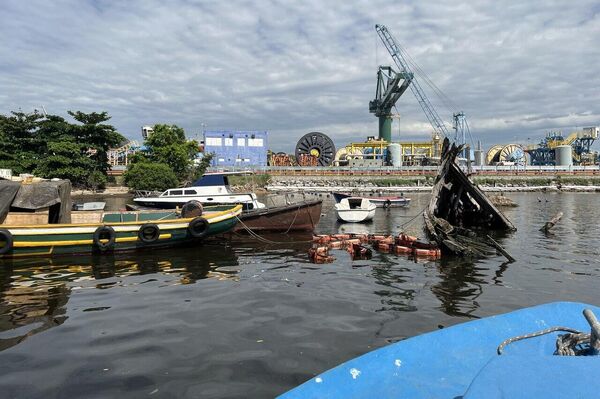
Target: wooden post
552, 222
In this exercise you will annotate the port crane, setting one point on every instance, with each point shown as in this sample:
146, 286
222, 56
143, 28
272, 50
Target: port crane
460, 126
390, 86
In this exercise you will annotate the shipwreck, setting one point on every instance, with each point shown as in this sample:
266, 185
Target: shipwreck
459, 213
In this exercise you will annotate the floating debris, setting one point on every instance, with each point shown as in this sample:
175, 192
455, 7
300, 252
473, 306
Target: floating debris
550, 224
502, 200
402, 244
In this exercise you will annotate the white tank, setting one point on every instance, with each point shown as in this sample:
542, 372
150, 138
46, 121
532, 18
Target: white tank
395, 154
479, 157
563, 155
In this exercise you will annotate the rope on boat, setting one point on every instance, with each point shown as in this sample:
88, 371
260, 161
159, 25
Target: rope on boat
294, 220
406, 224
265, 240
566, 344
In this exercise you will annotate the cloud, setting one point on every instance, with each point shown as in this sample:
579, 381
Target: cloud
516, 69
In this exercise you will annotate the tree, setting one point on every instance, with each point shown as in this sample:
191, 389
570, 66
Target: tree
150, 176
167, 144
19, 146
49, 146
64, 159
201, 167
99, 137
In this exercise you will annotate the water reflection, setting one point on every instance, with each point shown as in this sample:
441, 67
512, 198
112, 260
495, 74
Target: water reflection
34, 292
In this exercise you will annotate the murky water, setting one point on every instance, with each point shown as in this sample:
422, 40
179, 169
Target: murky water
251, 320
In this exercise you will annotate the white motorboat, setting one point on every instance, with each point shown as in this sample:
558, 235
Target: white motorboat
210, 189
355, 210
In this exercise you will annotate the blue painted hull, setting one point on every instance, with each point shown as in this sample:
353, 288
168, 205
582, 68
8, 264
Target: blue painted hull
461, 362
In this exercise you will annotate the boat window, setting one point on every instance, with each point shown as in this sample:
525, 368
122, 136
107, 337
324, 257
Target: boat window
175, 192
190, 192
354, 203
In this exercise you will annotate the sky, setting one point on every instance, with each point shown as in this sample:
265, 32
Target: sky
518, 69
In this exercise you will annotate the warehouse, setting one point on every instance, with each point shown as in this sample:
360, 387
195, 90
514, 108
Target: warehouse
236, 148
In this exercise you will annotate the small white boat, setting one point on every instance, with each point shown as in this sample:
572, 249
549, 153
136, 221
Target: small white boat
210, 189
355, 210
89, 206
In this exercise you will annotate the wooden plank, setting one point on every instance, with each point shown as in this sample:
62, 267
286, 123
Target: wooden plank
501, 249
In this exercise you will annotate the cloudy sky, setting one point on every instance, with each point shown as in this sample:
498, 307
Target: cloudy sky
517, 68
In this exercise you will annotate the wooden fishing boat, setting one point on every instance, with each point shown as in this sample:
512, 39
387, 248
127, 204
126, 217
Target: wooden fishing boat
522, 354
299, 216
103, 232
355, 210
458, 208
390, 201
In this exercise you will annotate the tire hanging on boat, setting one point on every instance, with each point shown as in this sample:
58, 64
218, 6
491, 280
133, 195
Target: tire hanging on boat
387, 203
149, 233
104, 233
198, 227
191, 209
7, 237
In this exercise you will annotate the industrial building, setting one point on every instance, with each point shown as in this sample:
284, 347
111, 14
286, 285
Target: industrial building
236, 148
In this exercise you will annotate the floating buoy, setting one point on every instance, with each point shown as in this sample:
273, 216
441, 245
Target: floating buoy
431, 253
402, 250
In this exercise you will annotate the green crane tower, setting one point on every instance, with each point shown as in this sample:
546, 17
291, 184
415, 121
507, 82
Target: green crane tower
390, 86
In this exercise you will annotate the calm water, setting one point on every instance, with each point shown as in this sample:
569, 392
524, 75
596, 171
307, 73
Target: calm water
247, 320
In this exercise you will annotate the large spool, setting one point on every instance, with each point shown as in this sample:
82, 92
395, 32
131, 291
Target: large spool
513, 153
316, 144
344, 154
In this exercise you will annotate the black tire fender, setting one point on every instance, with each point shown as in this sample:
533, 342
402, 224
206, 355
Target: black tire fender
101, 233
198, 227
149, 233
387, 203
7, 237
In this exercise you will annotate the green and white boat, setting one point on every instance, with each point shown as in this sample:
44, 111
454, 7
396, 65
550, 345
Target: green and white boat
107, 232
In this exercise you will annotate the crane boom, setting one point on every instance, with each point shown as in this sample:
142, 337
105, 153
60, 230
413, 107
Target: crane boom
390, 43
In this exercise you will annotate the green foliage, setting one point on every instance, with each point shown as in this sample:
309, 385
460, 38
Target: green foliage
49, 146
97, 180
150, 176
168, 148
202, 166
167, 144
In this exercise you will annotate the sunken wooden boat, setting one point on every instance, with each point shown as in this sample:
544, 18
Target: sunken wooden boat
459, 213
107, 232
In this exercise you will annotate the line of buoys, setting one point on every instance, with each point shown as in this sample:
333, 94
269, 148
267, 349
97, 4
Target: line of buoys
320, 255
403, 244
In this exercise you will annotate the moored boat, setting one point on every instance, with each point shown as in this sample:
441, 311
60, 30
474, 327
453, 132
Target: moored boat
210, 189
214, 188
380, 202
355, 210
104, 232
515, 355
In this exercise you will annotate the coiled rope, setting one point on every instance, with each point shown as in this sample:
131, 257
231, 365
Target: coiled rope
566, 344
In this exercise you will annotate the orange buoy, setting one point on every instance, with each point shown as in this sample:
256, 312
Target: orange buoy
402, 250
384, 247
341, 236
432, 253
